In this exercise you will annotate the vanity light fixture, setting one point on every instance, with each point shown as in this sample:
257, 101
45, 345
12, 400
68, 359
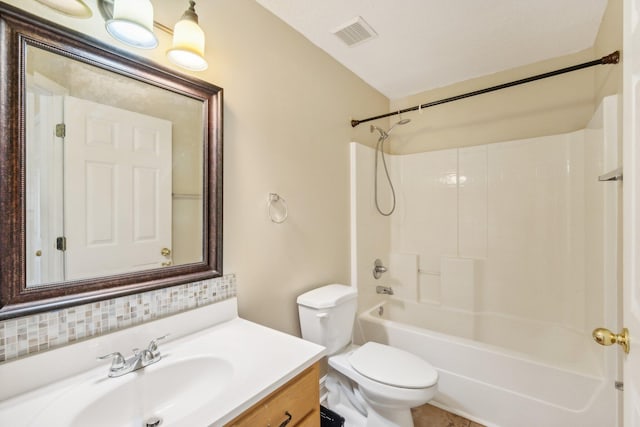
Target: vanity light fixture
74, 8
188, 42
132, 23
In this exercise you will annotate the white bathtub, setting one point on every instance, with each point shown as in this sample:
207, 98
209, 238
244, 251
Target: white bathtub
489, 384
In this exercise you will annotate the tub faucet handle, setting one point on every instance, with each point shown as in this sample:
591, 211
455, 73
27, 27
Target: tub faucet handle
378, 268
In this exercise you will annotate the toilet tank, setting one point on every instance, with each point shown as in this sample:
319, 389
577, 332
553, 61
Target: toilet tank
327, 315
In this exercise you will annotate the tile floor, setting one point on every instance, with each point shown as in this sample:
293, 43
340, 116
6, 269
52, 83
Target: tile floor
430, 416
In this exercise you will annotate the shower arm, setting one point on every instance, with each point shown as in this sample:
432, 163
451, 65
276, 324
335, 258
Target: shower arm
612, 58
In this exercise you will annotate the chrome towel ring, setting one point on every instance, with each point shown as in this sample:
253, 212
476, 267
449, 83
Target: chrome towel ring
277, 208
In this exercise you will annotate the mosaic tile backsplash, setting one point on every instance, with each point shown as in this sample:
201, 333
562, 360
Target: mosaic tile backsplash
30, 334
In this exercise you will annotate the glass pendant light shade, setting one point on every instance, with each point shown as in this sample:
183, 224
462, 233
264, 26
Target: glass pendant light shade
188, 42
75, 8
132, 23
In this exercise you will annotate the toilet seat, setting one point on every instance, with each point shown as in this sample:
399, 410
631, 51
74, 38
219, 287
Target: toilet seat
392, 366
377, 392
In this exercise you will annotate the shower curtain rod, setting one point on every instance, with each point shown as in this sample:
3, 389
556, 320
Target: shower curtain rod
612, 58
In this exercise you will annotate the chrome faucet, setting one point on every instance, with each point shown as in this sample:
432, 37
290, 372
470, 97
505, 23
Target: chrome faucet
121, 365
385, 290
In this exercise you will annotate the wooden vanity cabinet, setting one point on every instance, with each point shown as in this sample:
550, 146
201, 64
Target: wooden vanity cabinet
300, 397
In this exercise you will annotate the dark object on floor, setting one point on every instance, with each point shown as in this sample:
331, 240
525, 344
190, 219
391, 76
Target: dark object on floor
328, 418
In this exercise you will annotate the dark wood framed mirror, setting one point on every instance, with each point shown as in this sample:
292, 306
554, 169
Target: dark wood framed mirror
111, 170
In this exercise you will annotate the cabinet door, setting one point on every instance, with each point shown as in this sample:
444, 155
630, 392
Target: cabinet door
256, 416
299, 398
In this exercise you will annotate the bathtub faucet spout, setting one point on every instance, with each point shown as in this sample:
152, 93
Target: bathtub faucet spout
385, 290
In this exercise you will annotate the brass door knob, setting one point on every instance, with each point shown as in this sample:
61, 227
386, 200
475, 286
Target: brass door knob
165, 252
604, 336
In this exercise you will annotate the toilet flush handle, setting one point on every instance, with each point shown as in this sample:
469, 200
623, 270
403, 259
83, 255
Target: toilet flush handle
322, 315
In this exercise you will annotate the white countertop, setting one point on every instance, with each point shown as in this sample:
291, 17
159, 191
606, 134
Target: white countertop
262, 360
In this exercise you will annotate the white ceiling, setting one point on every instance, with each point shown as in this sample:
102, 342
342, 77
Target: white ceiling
425, 44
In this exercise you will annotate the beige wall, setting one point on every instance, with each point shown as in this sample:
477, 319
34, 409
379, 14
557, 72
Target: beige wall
287, 112
287, 107
608, 80
560, 104
556, 105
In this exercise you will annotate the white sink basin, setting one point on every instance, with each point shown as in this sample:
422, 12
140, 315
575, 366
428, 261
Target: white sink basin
207, 376
170, 390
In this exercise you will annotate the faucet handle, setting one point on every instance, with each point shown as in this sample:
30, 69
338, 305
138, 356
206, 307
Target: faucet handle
153, 345
145, 355
378, 269
118, 360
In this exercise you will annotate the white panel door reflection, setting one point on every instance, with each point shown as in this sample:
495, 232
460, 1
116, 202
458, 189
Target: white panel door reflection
117, 190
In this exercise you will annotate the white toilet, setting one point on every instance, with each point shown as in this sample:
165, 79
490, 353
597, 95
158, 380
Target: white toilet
372, 385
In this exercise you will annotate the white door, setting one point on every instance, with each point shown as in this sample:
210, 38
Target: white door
117, 190
631, 210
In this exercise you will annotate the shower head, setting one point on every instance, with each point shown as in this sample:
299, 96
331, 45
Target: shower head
385, 134
401, 122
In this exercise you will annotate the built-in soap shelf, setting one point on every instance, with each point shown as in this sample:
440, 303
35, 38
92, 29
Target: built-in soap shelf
614, 175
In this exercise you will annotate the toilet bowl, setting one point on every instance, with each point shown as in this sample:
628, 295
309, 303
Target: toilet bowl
373, 385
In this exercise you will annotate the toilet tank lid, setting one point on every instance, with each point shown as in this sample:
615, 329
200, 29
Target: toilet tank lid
327, 296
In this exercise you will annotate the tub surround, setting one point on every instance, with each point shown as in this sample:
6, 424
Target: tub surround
512, 239
30, 385
33, 334
482, 220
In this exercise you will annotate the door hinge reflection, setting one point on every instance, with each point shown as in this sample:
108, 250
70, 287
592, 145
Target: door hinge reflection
61, 243
61, 130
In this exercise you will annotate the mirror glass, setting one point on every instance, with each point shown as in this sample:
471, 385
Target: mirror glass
114, 172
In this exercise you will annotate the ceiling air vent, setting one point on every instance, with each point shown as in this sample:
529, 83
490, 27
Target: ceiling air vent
355, 32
